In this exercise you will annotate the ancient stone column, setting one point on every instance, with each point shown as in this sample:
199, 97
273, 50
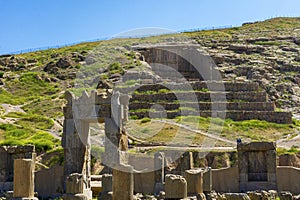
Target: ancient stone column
113, 155
194, 179
159, 167
175, 186
123, 182
24, 178
207, 180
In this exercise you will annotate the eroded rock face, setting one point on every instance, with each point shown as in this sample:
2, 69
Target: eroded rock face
290, 160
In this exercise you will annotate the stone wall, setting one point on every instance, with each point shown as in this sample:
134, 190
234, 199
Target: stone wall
270, 116
167, 62
240, 100
246, 106
201, 96
257, 163
288, 179
225, 180
7, 156
141, 162
196, 86
49, 182
144, 182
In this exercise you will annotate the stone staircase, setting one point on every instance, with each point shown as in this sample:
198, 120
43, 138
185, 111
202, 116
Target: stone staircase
235, 100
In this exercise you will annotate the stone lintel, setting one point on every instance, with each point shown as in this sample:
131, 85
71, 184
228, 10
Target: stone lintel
256, 146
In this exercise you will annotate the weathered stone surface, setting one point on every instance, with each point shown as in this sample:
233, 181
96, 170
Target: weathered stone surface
75, 184
289, 160
225, 179
236, 196
75, 197
7, 156
262, 195
207, 180
175, 187
194, 179
201, 196
49, 182
23, 178
257, 166
246, 48
285, 195
256, 146
123, 182
297, 197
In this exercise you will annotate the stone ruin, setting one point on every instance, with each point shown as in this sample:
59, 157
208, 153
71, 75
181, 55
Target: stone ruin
79, 113
185, 68
257, 161
7, 156
257, 166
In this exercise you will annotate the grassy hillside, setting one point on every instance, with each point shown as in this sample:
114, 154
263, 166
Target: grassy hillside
32, 85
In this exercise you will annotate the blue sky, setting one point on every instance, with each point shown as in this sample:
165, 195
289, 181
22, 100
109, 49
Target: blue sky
29, 24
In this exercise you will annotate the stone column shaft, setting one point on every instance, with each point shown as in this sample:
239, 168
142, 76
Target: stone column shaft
23, 178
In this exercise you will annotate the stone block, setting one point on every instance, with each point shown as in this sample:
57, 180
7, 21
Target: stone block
123, 182
23, 178
74, 184
175, 187
194, 178
237, 196
256, 146
74, 197
285, 195
207, 180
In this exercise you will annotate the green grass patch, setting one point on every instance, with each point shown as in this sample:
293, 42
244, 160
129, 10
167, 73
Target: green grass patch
293, 150
17, 135
145, 120
255, 130
27, 88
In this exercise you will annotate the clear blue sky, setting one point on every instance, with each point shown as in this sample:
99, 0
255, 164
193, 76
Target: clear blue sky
38, 23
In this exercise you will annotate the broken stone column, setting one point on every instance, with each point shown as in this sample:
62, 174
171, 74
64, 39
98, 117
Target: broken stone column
23, 179
207, 180
76, 137
113, 155
123, 182
74, 184
106, 193
175, 187
186, 162
159, 167
194, 179
75, 188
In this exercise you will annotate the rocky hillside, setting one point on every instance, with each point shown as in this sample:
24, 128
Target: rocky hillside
32, 85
